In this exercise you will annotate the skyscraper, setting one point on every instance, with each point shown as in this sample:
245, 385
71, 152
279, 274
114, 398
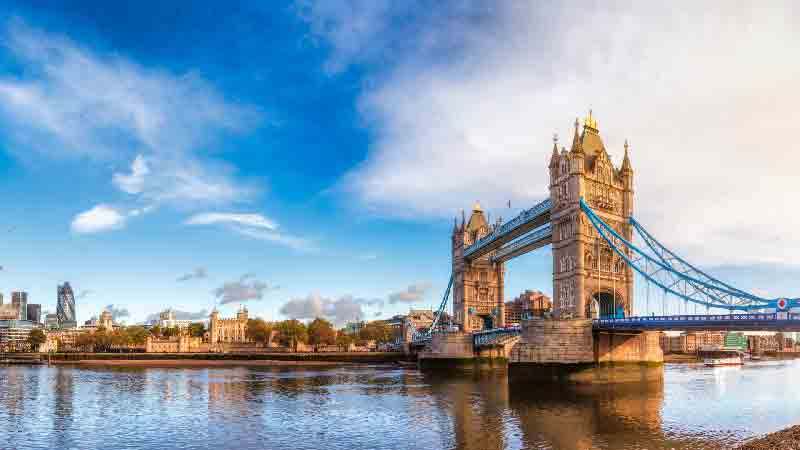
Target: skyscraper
65, 307
34, 312
20, 300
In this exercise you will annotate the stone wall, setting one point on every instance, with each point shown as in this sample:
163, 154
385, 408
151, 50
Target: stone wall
547, 341
449, 346
643, 347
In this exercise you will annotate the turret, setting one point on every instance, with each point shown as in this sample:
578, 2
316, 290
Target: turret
554, 156
627, 180
577, 155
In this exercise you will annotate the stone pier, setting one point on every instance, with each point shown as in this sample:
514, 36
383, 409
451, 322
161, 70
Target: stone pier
571, 351
456, 351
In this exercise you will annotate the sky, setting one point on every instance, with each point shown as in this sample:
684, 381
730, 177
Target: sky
307, 158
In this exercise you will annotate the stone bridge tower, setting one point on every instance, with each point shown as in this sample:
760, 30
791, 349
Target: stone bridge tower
588, 277
477, 285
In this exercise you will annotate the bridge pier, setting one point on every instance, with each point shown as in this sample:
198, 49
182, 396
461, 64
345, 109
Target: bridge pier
571, 351
457, 351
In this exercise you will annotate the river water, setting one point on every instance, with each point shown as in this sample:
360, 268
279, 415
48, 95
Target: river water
385, 407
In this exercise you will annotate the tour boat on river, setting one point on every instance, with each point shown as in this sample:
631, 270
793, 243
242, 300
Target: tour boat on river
724, 358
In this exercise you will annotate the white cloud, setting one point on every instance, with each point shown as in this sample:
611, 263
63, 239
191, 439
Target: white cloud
253, 226
251, 220
339, 311
704, 92
134, 182
99, 218
412, 294
242, 290
73, 102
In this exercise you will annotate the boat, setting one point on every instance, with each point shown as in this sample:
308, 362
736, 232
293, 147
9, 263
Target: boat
724, 358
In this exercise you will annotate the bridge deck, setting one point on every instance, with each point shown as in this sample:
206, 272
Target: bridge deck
525, 222
728, 322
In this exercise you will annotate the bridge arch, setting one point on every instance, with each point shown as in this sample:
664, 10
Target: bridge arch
606, 304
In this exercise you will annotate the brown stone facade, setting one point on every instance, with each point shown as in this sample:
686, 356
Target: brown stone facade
228, 330
477, 285
589, 279
643, 347
527, 305
546, 341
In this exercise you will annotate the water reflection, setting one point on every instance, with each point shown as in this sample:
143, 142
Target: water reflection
384, 407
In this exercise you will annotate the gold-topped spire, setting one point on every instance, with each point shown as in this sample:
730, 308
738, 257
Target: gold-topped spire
477, 206
590, 122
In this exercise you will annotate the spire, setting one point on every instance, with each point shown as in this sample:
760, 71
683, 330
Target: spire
554, 157
463, 219
590, 122
455, 224
477, 206
577, 145
626, 161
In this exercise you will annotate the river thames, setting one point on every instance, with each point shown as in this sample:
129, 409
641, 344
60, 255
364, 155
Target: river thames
385, 407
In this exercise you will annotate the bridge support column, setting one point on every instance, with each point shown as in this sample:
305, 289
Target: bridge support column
570, 351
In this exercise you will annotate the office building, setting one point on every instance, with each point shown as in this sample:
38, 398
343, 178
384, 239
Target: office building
527, 305
20, 300
35, 313
65, 308
51, 321
9, 312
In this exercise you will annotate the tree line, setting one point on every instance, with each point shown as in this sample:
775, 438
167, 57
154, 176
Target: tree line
318, 333
288, 333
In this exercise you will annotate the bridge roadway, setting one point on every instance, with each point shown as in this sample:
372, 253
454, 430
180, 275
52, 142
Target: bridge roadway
527, 221
788, 322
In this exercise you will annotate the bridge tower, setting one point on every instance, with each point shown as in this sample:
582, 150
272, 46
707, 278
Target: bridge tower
589, 279
477, 284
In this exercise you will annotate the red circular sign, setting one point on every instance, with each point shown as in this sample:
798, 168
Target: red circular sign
782, 303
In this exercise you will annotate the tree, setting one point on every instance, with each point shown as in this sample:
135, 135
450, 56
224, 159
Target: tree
376, 331
321, 332
343, 340
155, 330
258, 330
136, 335
36, 338
197, 329
169, 332
291, 332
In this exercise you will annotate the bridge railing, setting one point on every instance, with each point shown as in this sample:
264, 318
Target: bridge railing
488, 337
523, 218
752, 317
538, 235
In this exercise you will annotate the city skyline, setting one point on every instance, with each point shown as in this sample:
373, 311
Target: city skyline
279, 162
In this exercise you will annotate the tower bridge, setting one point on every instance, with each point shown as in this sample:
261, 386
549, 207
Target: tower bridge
588, 221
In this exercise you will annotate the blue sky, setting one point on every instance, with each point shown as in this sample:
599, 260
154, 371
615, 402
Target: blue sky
311, 155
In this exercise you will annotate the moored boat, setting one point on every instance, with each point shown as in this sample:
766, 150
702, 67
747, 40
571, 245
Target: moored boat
724, 358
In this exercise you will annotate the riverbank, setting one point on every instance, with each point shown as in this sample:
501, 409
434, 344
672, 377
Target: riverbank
680, 358
197, 363
788, 439
215, 359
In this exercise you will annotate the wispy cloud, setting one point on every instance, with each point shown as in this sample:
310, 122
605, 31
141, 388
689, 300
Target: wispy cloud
243, 290
182, 315
254, 226
83, 294
73, 102
118, 312
339, 311
197, 273
99, 218
249, 220
412, 294
527, 69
